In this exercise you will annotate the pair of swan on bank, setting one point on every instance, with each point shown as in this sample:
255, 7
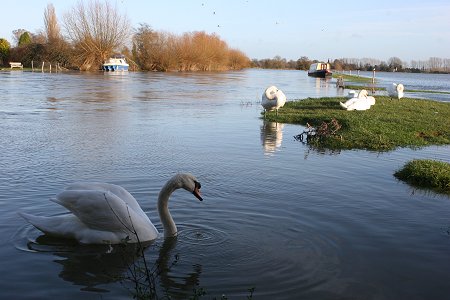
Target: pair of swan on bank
396, 90
360, 102
272, 99
104, 213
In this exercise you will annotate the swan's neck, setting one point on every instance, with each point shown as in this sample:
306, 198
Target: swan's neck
170, 229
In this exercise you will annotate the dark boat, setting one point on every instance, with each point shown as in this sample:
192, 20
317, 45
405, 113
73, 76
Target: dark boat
321, 70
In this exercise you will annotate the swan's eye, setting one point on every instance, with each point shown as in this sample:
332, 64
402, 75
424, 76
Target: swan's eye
198, 185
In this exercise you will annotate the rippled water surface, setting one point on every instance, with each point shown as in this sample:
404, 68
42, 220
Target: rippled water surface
277, 216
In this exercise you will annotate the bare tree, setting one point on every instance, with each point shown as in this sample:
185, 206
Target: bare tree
16, 35
153, 50
52, 30
96, 31
395, 63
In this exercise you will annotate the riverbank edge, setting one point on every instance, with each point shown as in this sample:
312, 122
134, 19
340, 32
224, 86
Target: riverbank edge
389, 124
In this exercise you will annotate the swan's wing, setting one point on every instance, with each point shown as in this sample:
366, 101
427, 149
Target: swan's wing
101, 210
281, 99
106, 187
63, 226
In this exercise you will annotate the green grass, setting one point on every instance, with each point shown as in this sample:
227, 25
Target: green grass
426, 173
387, 125
354, 78
380, 88
366, 83
368, 87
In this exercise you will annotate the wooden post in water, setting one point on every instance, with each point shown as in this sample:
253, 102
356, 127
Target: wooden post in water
50, 70
373, 81
32, 66
42, 68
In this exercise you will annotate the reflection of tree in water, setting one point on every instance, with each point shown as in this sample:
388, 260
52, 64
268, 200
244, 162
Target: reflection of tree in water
146, 280
143, 272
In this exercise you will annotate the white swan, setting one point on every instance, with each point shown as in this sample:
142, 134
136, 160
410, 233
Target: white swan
272, 98
396, 90
104, 213
362, 102
352, 94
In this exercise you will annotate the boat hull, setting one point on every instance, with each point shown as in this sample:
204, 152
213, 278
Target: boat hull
115, 63
320, 74
111, 68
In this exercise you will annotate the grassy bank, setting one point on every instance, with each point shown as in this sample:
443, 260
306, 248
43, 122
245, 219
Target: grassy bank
387, 125
355, 82
426, 173
354, 78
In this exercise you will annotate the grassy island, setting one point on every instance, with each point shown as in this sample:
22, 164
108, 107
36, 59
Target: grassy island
387, 125
426, 173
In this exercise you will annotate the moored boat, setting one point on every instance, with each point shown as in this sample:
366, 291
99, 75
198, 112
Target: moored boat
321, 70
115, 63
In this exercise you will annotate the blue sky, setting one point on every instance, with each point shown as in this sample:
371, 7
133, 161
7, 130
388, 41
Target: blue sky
321, 30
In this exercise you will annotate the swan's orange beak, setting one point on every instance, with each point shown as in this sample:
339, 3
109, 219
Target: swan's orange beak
196, 191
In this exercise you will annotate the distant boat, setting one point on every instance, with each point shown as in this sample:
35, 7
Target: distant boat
321, 70
115, 63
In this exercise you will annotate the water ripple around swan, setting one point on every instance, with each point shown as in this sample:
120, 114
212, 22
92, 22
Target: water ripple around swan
201, 235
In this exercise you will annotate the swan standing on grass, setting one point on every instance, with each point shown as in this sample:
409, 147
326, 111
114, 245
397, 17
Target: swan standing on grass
362, 102
272, 98
104, 213
396, 90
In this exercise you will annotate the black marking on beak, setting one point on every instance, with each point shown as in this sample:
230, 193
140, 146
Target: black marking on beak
196, 191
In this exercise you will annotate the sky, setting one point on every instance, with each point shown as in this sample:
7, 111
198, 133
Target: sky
379, 29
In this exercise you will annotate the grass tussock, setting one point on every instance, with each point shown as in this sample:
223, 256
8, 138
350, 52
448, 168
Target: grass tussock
387, 125
426, 173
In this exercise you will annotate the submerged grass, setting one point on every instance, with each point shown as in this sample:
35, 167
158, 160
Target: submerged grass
426, 173
387, 125
353, 78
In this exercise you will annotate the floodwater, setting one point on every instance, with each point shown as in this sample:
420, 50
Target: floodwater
277, 216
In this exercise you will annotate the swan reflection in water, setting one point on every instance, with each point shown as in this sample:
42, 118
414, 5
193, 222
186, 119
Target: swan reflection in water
92, 266
271, 136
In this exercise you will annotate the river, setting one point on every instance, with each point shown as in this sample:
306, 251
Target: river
277, 216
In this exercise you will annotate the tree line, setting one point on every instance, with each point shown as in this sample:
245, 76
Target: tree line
90, 38
394, 64
87, 38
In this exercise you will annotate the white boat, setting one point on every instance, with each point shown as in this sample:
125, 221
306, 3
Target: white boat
115, 63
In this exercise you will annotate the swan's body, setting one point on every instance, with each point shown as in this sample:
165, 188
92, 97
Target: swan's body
396, 90
362, 102
104, 213
272, 99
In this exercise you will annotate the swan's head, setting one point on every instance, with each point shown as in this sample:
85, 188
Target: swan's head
188, 182
362, 94
270, 93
